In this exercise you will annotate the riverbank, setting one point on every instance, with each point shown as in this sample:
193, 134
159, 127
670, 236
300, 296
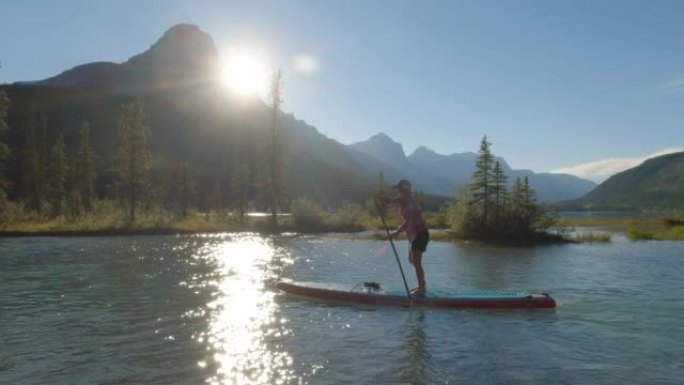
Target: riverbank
580, 230
261, 227
637, 228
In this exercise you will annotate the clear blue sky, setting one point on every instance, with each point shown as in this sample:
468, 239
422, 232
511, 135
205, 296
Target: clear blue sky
553, 84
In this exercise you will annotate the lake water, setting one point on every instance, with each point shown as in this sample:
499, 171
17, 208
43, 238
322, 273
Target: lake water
204, 309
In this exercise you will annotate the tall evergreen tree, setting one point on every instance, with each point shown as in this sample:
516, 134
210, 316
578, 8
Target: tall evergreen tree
214, 201
85, 168
74, 204
525, 210
381, 191
134, 158
276, 102
185, 187
529, 203
58, 173
482, 185
5, 153
517, 193
241, 188
500, 192
33, 159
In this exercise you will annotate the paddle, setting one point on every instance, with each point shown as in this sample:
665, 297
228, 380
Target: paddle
396, 256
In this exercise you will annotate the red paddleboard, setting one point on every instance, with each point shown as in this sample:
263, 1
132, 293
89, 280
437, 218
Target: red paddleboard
472, 299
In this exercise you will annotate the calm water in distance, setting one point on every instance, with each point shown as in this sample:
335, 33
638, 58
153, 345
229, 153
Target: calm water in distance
201, 309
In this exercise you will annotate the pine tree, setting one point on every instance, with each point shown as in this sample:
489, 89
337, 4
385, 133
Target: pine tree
58, 173
381, 184
241, 187
529, 204
134, 158
215, 199
381, 191
524, 208
276, 102
85, 168
482, 185
500, 192
185, 188
5, 153
33, 159
74, 204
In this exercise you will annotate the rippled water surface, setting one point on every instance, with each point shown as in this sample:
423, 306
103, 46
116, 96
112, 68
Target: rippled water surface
204, 309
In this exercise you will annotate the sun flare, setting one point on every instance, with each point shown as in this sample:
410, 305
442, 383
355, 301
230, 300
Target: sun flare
244, 73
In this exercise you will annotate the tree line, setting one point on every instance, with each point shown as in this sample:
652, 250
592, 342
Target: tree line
56, 182
56, 178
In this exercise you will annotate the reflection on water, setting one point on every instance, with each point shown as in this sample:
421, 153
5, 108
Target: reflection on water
204, 309
243, 329
416, 366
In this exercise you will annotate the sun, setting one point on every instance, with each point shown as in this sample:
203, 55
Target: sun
244, 73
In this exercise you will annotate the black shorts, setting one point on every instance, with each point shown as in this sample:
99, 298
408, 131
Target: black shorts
420, 242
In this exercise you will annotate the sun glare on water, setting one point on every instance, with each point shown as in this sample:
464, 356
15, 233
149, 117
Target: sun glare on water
244, 73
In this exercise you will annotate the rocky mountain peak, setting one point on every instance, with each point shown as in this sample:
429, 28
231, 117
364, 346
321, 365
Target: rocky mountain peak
382, 147
182, 48
423, 152
184, 53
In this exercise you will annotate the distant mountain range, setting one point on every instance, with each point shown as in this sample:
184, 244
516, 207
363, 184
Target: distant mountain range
193, 119
656, 184
441, 174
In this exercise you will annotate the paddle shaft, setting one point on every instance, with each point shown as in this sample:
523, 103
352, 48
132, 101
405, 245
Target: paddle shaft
396, 255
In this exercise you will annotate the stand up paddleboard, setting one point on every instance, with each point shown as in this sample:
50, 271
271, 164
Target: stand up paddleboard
369, 294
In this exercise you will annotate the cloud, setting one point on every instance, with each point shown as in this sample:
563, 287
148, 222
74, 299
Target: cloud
676, 83
306, 63
601, 170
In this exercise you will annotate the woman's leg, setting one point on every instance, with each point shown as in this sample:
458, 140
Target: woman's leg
417, 260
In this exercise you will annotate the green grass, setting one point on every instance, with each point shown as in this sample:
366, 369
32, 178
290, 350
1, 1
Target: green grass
661, 229
108, 217
636, 229
615, 223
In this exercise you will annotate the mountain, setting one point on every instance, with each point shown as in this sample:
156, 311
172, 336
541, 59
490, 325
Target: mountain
383, 148
455, 167
656, 184
395, 166
184, 55
442, 174
194, 120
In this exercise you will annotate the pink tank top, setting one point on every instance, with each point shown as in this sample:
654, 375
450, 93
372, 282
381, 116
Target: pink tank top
412, 220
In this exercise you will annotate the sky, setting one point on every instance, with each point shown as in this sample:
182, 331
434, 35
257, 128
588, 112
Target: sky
587, 87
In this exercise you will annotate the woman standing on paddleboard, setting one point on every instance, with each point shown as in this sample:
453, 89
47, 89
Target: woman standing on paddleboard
413, 223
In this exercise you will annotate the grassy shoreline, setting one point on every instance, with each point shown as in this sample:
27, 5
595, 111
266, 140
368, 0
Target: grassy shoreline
599, 230
662, 228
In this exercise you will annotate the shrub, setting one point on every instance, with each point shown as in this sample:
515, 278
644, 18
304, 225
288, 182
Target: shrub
349, 217
307, 215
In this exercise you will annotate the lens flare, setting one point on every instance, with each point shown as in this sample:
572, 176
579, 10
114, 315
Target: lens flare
305, 63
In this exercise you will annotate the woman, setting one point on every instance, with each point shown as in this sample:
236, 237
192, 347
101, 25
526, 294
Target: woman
413, 223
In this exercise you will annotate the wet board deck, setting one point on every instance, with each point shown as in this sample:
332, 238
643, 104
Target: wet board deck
471, 299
